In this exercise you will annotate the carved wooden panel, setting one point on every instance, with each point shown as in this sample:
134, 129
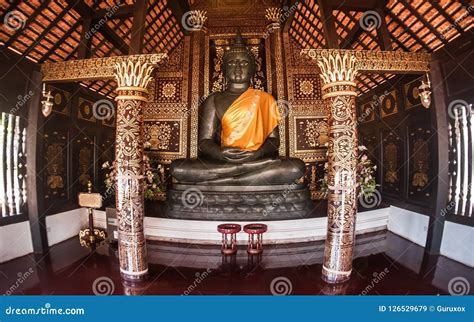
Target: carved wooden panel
392, 163
420, 170
55, 161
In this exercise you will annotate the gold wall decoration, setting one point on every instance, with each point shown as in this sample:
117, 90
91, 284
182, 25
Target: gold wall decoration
85, 110
391, 163
308, 136
372, 61
169, 104
420, 170
164, 136
366, 112
55, 181
94, 68
61, 100
412, 91
389, 104
421, 159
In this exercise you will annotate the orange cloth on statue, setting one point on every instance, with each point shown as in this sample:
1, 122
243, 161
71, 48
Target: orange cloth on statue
249, 120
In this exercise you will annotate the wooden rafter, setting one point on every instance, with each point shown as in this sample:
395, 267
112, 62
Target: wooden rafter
178, 9
138, 27
329, 23
85, 11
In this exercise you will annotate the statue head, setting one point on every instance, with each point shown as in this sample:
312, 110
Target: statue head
238, 62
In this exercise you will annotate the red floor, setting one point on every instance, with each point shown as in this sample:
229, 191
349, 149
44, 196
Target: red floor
385, 264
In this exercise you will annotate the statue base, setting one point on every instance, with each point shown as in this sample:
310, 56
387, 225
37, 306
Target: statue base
247, 203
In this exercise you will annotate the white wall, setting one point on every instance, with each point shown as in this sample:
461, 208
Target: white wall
15, 241
458, 243
408, 224
65, 225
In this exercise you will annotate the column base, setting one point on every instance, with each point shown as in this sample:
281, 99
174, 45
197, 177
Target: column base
335, 277
134, 277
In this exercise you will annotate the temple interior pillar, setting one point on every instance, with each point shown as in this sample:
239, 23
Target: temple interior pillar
132, 77
338, 74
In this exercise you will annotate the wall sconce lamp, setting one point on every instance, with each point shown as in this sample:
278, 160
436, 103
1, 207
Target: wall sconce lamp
47, 102
425, 92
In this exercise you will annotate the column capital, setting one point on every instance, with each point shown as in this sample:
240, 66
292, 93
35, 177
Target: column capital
275, 16
133, 77
338, 72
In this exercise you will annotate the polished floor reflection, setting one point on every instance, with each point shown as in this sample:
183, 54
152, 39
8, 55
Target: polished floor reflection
384, 264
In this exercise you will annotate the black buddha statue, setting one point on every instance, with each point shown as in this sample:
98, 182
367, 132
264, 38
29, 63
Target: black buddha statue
238, 172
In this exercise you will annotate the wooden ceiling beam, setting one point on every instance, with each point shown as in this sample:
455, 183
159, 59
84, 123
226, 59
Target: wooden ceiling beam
329, 23
178, 9
138, 27
384, 38
84, 46
125, 11
87, 12
353, 5
291, 16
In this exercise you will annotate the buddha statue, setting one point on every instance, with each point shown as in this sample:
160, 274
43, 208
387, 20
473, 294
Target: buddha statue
238, 145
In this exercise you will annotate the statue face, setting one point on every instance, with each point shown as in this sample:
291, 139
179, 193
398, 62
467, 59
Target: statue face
238, 68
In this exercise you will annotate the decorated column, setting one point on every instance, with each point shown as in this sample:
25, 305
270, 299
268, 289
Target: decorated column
133, 76
338, 72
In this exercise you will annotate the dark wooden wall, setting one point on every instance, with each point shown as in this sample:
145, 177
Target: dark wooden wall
398, 133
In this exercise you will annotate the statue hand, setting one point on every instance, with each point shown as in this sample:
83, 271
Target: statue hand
240, 156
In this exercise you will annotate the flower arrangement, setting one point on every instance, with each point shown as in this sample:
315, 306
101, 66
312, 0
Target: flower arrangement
366, 184
152, 178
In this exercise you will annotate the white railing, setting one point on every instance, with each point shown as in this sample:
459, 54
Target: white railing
12, 166
461, 139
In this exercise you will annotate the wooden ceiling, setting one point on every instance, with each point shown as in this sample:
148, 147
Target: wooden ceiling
52, 30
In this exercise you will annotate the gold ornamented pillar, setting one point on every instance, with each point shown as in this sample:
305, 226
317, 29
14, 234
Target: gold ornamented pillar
338, 71
133, 76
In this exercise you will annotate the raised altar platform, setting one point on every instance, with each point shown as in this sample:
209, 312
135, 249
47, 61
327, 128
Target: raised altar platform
262, 203
279, 231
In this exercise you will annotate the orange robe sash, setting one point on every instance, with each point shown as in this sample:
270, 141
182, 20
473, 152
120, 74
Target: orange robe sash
249, 120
